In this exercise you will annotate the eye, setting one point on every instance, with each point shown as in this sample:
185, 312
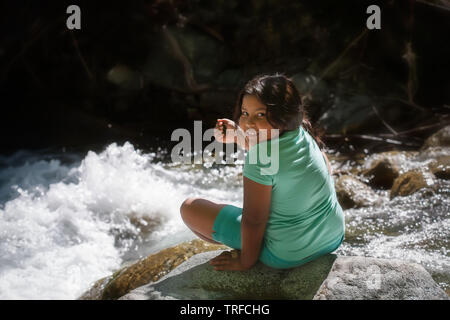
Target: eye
244, 113
261, 114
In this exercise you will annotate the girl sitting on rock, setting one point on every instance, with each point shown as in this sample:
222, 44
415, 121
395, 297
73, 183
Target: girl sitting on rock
290, 214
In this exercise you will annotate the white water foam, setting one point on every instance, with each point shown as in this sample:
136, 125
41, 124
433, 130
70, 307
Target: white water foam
65, 227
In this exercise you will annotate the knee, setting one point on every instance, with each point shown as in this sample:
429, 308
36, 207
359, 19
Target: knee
185, 208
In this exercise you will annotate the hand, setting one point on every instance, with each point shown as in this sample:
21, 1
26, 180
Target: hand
220, 130
228, 260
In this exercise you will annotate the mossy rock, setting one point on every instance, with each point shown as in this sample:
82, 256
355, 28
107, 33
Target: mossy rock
145, 270
412, 181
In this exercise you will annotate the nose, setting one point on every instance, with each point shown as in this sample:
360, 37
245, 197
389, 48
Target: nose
250, 123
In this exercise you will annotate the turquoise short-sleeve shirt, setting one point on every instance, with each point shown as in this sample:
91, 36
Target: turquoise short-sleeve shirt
305, 215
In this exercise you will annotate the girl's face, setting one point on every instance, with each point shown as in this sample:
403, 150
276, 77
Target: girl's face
254, 116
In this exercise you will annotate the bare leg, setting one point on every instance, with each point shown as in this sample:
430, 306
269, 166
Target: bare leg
199, 215
205, 238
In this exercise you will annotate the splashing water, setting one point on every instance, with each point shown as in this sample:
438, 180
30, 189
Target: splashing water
63, 227
64, 224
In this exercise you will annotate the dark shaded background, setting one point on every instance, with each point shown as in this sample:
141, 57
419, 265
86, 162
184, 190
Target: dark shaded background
137, 70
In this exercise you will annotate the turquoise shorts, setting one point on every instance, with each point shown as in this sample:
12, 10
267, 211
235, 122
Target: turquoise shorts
227, 230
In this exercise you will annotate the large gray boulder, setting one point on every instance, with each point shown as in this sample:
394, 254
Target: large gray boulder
383, 279
328, 277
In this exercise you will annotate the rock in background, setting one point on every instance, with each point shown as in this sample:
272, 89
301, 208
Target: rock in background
352, 193
402, 173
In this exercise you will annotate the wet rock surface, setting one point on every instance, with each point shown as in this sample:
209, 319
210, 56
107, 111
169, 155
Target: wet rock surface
352, 193
441, 138
382, 174
440, 167
400, 172
411, 181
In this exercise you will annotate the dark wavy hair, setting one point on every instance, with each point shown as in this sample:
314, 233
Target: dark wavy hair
285, 106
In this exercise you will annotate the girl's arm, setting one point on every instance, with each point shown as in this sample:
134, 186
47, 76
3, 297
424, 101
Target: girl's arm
255, 214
